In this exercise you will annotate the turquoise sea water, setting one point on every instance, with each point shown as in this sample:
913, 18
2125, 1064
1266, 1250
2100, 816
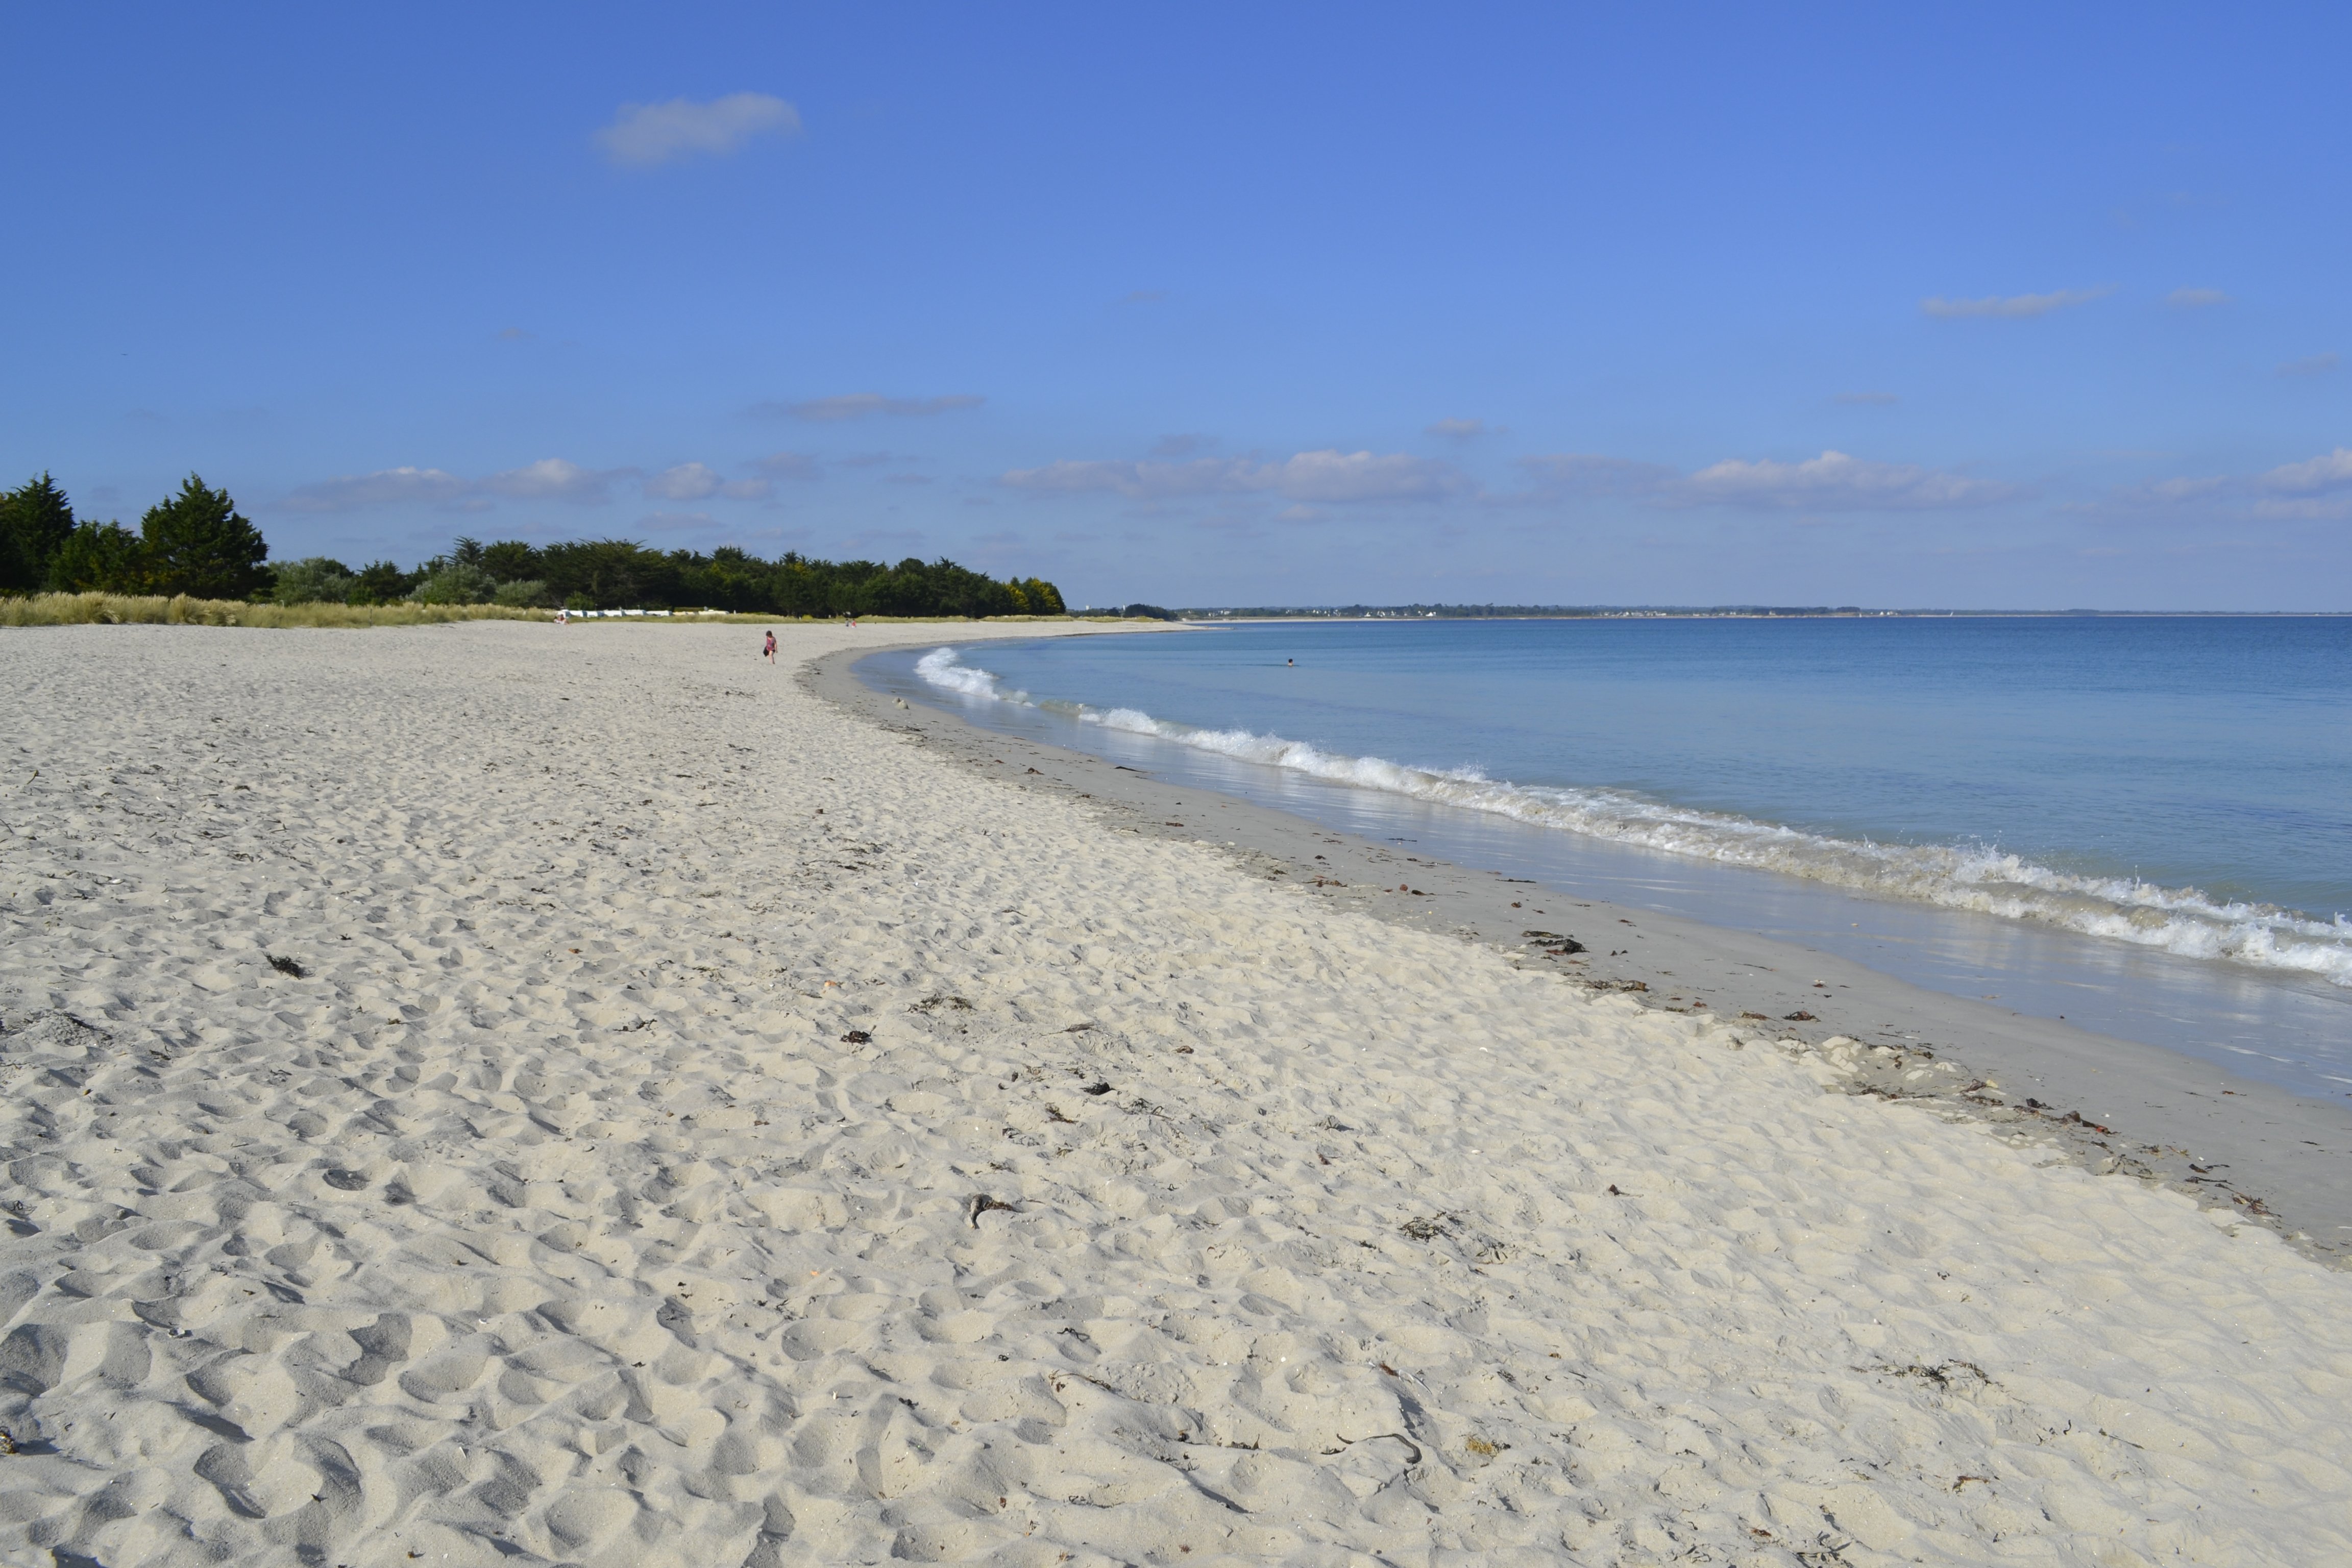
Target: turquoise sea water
2157, 805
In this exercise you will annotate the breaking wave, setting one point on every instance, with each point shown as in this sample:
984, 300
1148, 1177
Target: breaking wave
1978, 877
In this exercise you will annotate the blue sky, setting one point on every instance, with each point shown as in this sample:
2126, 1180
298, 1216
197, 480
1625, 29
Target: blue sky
2032, 306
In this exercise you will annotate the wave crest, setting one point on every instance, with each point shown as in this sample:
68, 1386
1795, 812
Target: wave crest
1978, 878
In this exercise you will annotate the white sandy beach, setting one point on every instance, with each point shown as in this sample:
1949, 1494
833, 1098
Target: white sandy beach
709, 1128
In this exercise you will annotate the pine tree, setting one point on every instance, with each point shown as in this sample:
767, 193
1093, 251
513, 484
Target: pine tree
198, 544
34, 520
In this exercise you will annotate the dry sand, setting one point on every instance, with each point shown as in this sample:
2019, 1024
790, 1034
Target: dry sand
710, 1128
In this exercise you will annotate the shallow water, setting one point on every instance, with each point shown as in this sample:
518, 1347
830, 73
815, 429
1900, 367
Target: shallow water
2138, 825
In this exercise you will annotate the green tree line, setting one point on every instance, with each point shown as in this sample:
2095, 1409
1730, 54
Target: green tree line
197, 543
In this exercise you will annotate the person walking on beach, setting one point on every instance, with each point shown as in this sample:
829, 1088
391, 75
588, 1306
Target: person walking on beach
769, 652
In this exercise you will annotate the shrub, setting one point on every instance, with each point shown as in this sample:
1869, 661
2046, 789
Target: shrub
454, 583
382, 583
523, 594
314, 579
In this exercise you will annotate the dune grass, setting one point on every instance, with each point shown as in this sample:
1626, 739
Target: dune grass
179, 610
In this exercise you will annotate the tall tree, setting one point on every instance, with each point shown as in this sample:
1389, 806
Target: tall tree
34, 520
199, 545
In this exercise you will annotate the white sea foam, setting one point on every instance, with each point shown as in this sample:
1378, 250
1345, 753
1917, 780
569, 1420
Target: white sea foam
1980, 878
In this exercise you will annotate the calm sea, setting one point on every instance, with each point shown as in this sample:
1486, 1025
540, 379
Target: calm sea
2142, 824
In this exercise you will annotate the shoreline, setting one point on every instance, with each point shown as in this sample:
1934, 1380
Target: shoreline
2110, 1104
488, 1095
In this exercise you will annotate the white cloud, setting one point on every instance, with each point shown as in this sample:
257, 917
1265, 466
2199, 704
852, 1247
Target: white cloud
2328, 473
1322, 475
644, 134
385, 487
687, 481
2195, 298
2015, 306
861, 405
2317, 365
551, 478
1830, 482
1460, 429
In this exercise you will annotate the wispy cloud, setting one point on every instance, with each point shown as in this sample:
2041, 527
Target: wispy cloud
1322, 476
550, 479
2315, 364
865, 405
643, 135
1867, 399
1590, 474
1830, 482
553, 478
2316, 488
687, 481
697, 481
385, 487
2014, 307
1332, 475
2328, 473
1836, 482
2185, 489
2196, 299
787, 466
1458, 429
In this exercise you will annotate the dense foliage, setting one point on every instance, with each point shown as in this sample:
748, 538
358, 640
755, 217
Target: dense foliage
35, 523
617, 573
196, 543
